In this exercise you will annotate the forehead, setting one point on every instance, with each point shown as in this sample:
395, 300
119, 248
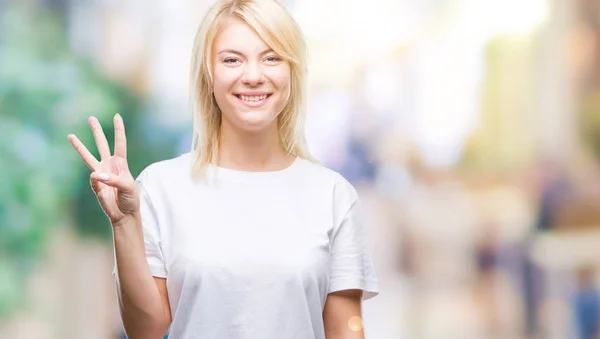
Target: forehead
237, 35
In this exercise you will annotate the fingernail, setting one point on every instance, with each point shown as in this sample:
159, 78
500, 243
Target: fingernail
103, 176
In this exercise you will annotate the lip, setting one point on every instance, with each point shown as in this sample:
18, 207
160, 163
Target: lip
253, 104
253, 93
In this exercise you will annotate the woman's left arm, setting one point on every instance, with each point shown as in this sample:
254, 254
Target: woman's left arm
342, 316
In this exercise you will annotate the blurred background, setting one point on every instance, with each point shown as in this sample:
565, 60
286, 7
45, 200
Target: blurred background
471, 129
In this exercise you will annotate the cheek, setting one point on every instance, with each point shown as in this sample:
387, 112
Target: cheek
286, 91
282, 81
225, 77
219, 89
223, 84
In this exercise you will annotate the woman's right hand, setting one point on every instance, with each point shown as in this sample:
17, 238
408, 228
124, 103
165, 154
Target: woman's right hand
110, 179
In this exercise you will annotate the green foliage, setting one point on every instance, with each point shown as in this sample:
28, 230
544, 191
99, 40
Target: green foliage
47, 92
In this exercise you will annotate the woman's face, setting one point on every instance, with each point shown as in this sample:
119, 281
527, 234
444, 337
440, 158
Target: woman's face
251, 82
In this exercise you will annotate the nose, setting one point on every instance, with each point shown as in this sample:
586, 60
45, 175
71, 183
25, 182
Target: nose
253, 75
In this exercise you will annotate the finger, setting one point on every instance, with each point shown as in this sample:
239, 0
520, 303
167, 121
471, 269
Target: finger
112, 180
100, 138
87, 157
122, 167
120, 138
96, 185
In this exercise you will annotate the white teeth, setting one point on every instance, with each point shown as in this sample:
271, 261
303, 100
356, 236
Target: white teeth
253, 98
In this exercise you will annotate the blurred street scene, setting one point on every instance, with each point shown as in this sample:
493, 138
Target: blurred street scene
470, 128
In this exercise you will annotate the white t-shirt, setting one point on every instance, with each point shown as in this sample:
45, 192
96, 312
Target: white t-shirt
253, 255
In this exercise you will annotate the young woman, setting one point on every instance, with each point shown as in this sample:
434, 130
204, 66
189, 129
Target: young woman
244, 237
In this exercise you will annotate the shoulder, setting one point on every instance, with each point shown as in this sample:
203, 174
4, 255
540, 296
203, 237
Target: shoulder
168, 171
318, 175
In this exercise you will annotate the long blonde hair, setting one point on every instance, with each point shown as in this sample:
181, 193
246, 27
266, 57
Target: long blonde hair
281, 33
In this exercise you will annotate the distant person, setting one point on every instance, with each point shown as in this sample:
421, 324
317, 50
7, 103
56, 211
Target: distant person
587, 306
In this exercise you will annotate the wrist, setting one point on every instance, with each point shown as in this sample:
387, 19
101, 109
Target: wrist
127, 219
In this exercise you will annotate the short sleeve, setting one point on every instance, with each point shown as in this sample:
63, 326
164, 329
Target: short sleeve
351, 260
151, 231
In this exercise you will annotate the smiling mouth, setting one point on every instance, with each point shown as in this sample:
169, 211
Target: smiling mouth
252, 98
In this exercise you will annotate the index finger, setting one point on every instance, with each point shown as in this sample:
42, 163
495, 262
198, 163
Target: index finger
87, 157
100, 138
120, 138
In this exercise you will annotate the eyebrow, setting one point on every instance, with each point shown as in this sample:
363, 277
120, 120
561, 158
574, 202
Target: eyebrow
233, 51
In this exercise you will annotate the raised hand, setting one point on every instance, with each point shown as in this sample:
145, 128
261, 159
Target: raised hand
110, 178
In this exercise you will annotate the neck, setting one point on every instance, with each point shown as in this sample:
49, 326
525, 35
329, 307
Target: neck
253, 152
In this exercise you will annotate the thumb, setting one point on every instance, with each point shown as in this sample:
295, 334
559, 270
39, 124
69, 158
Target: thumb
112, 180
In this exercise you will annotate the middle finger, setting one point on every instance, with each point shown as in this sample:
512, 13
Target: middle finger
100, 138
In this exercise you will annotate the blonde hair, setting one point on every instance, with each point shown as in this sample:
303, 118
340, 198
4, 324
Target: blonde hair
281, 33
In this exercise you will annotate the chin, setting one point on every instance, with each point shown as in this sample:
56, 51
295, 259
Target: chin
254, 121
257, 125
